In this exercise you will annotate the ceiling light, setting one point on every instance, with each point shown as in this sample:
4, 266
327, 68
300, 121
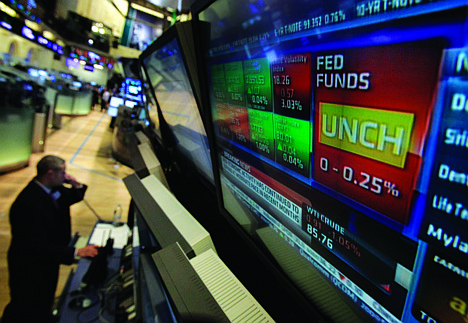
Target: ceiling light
32, 25
8, 10
47, 34
147, 10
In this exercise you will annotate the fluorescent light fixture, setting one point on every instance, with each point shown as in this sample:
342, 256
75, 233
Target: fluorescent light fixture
32, 25
47, 34
8, 10
147, 10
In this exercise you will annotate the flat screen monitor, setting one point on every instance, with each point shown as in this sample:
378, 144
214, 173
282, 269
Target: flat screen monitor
133, 89
339, 137
130, 103
114, 104
169, 67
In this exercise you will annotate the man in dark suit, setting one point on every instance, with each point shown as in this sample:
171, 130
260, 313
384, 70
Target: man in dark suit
40, 237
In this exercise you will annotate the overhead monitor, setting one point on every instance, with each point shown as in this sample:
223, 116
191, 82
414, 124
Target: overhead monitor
339, 134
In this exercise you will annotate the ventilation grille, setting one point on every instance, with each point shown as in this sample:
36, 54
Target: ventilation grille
233, 298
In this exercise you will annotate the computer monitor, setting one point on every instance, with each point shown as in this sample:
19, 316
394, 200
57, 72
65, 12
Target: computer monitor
130, 103
338, 132
114, 104
133, 89
171, 71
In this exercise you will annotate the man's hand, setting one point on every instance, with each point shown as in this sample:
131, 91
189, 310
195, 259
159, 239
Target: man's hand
72, 181
88, 251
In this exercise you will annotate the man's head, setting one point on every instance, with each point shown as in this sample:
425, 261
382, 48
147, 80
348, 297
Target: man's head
51, 171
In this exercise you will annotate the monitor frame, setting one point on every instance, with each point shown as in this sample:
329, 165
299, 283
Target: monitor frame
182, 33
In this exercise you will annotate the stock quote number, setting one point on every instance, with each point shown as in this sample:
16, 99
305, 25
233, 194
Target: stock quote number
366, 181
320, 236
314, 229
282, 79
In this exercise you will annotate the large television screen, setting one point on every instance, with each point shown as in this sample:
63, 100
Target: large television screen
340, 134
167, 67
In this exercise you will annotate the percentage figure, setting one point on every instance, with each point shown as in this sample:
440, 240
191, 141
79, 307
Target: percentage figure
364, 180
292, 160
355, 250
241, 137
236, 96
391, 188
342, 15
291, 104
259, 99
300, 164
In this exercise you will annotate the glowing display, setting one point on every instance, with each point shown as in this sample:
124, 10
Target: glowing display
344, 131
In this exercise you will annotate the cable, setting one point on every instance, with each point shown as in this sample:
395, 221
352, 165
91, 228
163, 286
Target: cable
92, 210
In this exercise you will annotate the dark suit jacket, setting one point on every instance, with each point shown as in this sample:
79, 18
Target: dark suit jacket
40, 233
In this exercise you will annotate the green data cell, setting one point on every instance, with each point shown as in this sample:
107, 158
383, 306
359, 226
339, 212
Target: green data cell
234, 74
262, 133
292, 142
218, 81
258, 84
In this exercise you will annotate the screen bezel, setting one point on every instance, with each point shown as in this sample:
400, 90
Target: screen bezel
182, 33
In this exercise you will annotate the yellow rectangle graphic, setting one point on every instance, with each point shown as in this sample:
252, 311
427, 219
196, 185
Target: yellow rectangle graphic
373, 133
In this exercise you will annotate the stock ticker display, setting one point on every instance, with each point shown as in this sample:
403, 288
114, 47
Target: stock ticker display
354, 147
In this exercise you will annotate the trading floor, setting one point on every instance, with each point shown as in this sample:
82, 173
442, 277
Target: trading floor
86, 144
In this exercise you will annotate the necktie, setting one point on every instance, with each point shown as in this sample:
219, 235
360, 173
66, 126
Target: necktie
51, 194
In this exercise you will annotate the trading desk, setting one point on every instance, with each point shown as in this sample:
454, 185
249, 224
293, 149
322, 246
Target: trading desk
89, 304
